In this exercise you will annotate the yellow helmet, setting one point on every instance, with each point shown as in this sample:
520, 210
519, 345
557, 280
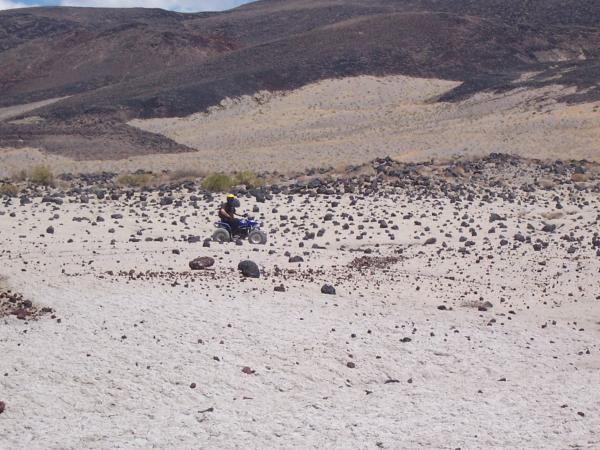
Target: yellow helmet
230, 197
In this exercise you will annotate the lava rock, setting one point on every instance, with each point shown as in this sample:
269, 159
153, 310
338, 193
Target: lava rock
328, 289
55, 200
249, 269
201, 263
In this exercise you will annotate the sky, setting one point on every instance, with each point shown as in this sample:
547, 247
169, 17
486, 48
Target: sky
174, 5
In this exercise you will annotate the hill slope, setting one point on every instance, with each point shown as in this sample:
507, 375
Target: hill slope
118, 65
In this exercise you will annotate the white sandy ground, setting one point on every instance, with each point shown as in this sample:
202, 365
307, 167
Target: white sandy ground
116, 372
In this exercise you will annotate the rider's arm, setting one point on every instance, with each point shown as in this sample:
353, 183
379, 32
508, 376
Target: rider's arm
225, 213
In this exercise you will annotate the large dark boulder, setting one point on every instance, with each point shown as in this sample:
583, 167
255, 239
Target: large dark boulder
258, 194
328, 289
202, 263
249, 269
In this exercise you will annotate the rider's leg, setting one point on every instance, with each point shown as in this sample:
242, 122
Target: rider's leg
234, 224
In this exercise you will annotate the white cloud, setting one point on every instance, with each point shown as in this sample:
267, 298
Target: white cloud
175, 5
9, 4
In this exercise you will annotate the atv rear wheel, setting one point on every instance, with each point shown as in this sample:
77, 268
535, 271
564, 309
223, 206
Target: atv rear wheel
221, 235
257, 237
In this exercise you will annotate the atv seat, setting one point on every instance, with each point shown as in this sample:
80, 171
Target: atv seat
223, 225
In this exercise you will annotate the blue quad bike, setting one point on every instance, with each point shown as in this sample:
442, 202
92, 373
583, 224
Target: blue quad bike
248, 229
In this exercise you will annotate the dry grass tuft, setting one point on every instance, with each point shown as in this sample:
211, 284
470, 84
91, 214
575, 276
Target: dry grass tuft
135, 179
186, 174
580, 177
19, 176
41, 175
9, 190
218, 182
248, 179
221, 182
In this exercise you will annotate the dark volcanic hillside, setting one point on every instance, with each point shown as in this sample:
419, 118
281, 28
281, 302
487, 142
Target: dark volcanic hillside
116, 65
47, 53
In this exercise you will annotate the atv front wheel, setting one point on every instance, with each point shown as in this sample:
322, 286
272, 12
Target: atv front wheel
257, 237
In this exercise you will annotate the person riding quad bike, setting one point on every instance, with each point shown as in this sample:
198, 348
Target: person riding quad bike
227, 213
231, 227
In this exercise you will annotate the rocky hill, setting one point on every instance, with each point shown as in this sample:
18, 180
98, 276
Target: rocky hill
105, 67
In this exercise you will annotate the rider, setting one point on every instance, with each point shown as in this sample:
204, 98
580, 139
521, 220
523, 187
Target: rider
227, 212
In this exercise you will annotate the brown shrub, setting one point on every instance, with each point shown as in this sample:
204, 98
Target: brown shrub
580, 177
41, 175
9, 190
186, 174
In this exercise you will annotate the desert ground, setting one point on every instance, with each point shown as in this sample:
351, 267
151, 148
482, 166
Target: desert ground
339, 122
354, 120
427, 178
397, 306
